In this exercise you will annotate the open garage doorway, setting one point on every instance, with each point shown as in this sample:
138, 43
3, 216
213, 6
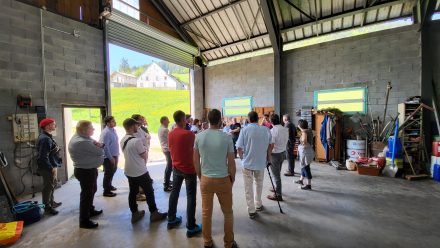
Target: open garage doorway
149, 86
71, 116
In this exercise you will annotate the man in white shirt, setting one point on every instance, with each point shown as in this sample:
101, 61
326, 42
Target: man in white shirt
253, 148
135, 170
280, 137
163, 138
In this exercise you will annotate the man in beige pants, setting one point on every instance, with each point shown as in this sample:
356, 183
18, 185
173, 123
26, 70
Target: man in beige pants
253, 148
216, 172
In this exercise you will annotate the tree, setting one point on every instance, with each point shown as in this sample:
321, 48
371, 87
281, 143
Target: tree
124, 66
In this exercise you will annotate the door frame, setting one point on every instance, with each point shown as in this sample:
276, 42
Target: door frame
103, 112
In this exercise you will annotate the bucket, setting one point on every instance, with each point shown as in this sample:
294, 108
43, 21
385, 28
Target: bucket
398, 149
436, 148
397, 162
434, 160
436, 175
356, 144
355, 153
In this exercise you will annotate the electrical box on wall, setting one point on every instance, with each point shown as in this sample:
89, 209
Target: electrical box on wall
25, 127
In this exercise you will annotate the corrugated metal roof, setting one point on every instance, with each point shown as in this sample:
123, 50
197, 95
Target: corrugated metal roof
216, 25
222, 28
335, 15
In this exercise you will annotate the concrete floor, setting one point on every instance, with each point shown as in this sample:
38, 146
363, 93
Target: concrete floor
343, 210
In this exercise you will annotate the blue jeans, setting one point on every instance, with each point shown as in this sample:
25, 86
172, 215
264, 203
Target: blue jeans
191, 194
306, 172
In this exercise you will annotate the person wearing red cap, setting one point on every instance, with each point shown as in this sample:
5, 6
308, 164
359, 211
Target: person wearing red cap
48, 161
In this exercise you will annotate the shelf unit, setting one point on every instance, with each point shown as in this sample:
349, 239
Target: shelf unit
414, 148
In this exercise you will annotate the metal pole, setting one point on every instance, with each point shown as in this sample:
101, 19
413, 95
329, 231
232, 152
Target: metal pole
43, 62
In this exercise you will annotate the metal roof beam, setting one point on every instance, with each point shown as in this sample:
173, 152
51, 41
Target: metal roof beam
427, 8
209, 13
272, 25
300, 10
261, 36
172, 20
344, 14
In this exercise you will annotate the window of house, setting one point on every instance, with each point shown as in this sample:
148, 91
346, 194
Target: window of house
129, 7
165, 78
348, 100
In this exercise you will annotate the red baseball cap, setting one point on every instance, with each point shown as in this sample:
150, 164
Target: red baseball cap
46, 122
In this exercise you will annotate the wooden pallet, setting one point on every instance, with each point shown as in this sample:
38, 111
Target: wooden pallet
416, 177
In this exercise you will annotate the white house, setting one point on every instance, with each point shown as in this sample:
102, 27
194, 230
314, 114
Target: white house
155, 77
120, 79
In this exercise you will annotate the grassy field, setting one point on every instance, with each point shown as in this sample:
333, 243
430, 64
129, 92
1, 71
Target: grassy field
184, 77
150, 103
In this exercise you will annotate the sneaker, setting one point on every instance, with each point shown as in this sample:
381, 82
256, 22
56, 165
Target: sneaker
50, 211
88, 224
137, 216
174, 223
289, 174
156, 216
109, 194
95, 213
168, 188
113, 188
275, 197
141, 197
306, 187
259, 209
56, 204
253, 215
193, 232
300, 182
209, 246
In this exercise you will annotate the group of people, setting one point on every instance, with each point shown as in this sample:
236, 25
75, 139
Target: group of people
192, 152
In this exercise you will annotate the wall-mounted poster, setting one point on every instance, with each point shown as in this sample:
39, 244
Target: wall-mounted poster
237, 106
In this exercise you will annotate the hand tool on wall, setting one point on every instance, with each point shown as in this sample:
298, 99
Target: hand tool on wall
386, 102
434, 105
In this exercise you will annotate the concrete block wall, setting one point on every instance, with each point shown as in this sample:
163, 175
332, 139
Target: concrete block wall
197, 93
249, 77
370, 60
74, 73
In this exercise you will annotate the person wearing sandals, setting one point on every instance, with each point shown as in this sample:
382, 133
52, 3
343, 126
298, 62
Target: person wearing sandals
306, 154
48, 161
136, 156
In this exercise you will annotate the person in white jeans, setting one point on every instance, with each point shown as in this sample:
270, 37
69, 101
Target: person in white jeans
253, 148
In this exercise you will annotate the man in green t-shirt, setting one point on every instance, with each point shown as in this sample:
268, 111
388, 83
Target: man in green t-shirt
215, 166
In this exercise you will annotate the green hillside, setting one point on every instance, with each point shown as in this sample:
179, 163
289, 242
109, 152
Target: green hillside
151, 103
184, 77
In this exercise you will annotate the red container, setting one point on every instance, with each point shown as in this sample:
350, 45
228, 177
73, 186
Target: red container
368, 170
436, 148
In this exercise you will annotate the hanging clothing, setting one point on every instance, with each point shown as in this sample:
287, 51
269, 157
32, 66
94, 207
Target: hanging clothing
323, 135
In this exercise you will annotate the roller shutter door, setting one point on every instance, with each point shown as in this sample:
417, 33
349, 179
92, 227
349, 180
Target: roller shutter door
126, 31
